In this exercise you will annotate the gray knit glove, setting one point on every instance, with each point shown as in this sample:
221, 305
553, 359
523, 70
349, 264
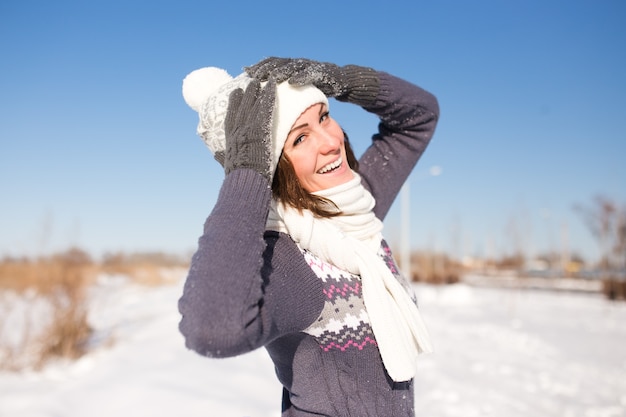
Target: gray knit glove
248, 128
350, 83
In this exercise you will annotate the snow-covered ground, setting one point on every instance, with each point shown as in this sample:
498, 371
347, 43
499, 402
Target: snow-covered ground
504, 352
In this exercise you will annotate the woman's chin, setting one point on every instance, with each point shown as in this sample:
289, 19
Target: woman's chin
333, 179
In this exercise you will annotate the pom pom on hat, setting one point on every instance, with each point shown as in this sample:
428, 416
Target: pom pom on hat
199, 84
207, 90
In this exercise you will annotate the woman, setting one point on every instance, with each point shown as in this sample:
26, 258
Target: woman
292, 257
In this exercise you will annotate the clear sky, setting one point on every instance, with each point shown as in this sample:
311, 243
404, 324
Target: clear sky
98, 148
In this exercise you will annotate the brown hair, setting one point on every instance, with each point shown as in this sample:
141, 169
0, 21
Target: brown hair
287, 189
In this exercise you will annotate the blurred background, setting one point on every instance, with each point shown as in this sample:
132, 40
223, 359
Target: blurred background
102, 173
99, 151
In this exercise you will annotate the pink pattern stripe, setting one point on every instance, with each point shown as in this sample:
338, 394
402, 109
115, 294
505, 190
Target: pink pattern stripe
343, 290
350, 343
321, 265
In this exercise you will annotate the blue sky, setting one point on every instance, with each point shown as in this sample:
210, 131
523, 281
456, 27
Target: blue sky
98, 148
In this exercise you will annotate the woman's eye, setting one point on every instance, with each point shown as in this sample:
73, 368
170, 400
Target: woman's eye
298, 140
324, 116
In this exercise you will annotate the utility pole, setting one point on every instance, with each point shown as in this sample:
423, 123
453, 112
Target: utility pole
405, 223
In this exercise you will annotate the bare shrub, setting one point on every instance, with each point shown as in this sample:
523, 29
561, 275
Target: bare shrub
607, 222
47, 299
68, 332
606, 219
15, 348
60, 282
614, 288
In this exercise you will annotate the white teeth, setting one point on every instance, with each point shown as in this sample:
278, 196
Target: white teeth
331, 166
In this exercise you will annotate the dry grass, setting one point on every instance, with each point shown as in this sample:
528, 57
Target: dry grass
145, 268
433, 268
43, 275
59, 284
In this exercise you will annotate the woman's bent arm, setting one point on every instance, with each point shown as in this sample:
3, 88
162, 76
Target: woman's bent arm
408, 117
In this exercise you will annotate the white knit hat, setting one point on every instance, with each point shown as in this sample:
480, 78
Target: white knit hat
207, 90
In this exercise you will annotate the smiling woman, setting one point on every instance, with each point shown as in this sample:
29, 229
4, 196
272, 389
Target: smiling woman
292, 257
315, 148
286, 185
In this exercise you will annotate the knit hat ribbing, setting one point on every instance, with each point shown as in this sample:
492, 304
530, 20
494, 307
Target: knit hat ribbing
207, 90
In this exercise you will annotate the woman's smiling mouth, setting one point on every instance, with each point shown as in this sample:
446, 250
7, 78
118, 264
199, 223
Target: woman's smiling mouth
331, 167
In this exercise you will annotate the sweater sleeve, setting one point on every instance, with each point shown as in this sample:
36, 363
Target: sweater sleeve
237, 296
408, 116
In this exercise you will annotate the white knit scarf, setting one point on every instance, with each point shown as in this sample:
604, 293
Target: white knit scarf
351, 242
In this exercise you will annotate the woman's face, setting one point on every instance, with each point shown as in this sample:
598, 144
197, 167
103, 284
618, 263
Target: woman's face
316, 150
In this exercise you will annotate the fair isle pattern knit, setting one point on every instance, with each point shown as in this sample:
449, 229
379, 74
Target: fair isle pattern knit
385, 253
344, 323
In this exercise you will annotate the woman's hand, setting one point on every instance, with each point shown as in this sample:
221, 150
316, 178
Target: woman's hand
248, 128
351, 83
280, 69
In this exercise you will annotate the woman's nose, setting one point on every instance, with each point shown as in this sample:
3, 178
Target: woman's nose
328, 142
